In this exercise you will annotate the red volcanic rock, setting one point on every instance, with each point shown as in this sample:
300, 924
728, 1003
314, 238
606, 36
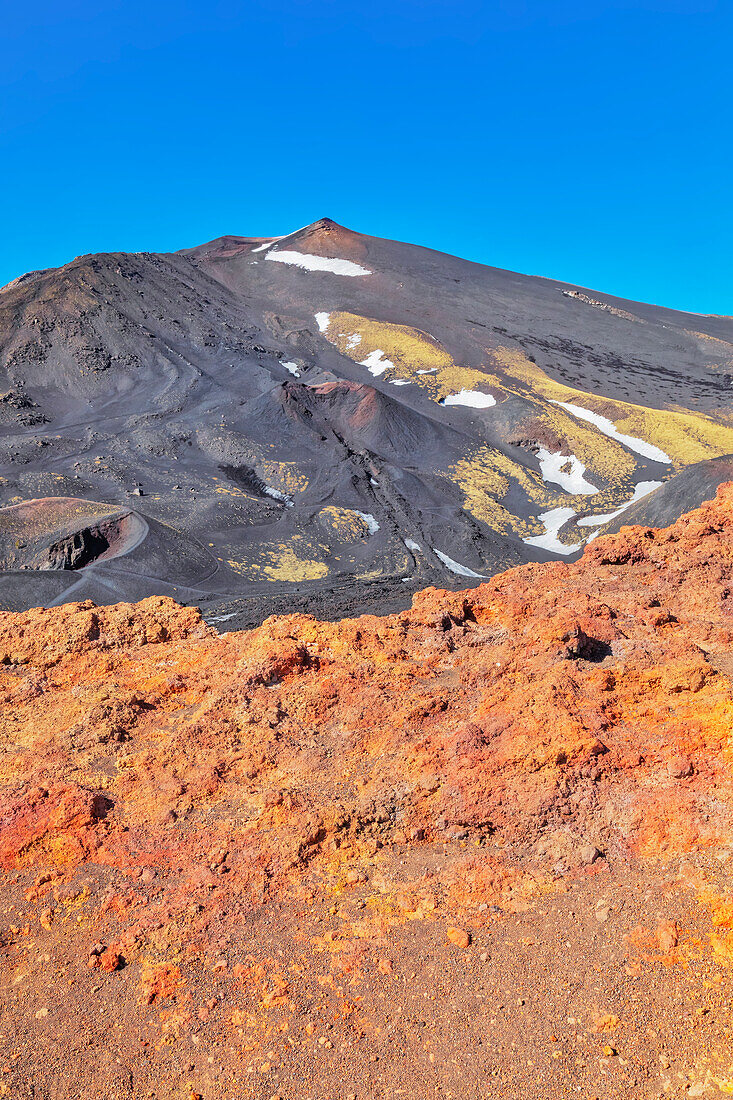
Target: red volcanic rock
62, 818
281, 824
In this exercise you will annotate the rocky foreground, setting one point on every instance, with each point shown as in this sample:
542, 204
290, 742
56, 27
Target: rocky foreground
477, 849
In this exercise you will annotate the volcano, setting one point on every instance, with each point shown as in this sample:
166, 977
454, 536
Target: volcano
329, 422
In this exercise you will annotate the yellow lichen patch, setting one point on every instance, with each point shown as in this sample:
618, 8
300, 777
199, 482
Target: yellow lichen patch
529, 481
483, 486
370, 575
283, 476
292, 561
685, 436
407, 347
485, 477
453, 379
230, 490
410, 352
284, 564
344, 523
601, 455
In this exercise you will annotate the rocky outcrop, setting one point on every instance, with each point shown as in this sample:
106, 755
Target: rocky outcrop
279, 844
77, 550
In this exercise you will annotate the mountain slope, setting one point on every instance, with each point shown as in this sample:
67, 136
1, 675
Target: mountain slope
339, 420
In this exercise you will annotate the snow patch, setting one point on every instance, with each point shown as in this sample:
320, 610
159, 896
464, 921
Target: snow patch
277, 495
323, 320
456, 567
646, 450
370, 521
431, 371
292, 367
221, 618
353, 341
552, 468
318, 263
643, 489
553, 521
400, 382
414, 546
267, 244
474, 399
376, 362
274, 240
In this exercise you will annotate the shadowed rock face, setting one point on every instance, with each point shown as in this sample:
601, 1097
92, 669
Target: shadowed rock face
79, 549
257, 399
494, 828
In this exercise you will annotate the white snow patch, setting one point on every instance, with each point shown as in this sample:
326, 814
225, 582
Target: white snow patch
646, 450
400, 382
370, 521
292, 367
275, 240
277, 495
414, 546
431, 371
376, 362
474, 399
267, 244
318, 263
456, 567
354, 339
373, 482
221, 618
323, 320
643, 489
552, 468
553, 521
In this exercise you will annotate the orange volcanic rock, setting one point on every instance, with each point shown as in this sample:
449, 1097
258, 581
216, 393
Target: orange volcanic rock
459, 937
258, 840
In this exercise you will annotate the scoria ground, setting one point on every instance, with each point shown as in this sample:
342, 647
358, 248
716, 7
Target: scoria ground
480, 848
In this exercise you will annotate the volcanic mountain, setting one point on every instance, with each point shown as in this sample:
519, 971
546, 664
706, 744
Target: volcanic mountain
329, 422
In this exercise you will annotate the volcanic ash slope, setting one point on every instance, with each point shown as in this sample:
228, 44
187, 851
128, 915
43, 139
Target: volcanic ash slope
248, 402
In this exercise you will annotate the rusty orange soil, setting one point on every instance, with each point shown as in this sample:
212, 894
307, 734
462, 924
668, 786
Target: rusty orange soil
480, 848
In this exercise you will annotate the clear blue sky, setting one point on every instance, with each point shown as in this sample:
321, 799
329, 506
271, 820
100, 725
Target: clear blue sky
587, 141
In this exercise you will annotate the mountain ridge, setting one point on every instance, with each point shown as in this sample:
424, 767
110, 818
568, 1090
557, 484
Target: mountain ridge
323, 222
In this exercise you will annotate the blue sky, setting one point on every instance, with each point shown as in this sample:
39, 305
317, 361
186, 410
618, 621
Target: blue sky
589, 142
